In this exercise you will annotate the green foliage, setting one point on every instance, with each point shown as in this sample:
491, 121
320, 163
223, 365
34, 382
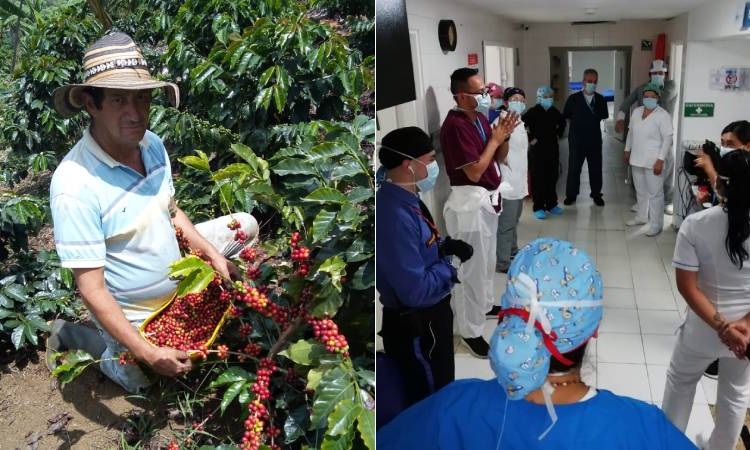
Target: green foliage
37, 290
276, 118
19, 217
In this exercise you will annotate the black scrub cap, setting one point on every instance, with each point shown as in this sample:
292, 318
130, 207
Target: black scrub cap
403, 143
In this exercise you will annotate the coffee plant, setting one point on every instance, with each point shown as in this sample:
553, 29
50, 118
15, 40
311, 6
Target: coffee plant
276, 118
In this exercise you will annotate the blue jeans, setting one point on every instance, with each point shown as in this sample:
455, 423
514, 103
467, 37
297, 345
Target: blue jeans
129, 376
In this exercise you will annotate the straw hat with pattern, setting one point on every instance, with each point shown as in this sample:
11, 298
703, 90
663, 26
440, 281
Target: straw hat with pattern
115, 62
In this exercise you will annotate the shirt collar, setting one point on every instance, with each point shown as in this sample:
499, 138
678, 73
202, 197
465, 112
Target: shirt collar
95, 149
399, 193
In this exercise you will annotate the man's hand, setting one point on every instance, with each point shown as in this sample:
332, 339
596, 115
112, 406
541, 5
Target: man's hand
458, 248
626, 157
505, 127
658, 167
620, 126
226, 268
168, 361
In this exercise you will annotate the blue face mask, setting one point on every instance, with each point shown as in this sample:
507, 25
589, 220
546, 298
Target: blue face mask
428, 183
546, 103
657, 80
483, 103
590, 88
650, 103
424, 184
517, 106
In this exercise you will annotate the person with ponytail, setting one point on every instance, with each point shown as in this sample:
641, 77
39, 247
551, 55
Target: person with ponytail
735, 136
713, 276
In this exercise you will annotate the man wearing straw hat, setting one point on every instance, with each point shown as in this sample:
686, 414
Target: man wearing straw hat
113, 212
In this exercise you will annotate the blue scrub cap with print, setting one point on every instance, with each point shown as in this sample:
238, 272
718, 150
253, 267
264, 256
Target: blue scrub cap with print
552, 305
544, 90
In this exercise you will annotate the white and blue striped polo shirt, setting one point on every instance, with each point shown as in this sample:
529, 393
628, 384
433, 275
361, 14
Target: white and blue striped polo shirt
107, 214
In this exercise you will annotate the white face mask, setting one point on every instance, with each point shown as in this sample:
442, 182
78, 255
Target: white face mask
724, 150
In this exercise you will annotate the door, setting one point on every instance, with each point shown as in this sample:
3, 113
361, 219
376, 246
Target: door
620, 83
559, 75
498, 64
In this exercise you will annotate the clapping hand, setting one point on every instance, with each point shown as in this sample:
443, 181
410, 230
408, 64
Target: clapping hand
505, 126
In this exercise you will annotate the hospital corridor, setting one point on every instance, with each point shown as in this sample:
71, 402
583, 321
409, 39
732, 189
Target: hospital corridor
548, 172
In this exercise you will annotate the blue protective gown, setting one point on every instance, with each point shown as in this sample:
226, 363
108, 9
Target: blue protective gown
468, 414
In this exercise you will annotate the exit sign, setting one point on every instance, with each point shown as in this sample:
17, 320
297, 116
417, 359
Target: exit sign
699, 109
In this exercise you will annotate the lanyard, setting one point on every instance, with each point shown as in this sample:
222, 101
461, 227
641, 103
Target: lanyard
428, 221
481, 131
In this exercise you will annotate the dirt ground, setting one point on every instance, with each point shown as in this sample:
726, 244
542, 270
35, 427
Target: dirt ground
35, 413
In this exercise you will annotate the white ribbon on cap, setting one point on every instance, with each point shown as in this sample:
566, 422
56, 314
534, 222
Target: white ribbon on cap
526, 287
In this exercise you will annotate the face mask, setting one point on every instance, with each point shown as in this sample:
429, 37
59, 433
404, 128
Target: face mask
590, 88
483, 103
657, 79
425, 184
724, 150
650, 103
517, 106
497, 104
428, 183
546, 103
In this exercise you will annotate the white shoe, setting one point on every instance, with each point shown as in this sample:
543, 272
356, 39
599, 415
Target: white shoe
669, 209
634, 208
634, 222
701, 440
652, 233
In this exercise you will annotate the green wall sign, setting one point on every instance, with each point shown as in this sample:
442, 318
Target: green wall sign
699, 109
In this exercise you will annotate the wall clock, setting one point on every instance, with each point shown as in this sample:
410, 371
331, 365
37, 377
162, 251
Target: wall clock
447, 35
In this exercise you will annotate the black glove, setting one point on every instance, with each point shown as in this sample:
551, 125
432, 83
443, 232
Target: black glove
457, 247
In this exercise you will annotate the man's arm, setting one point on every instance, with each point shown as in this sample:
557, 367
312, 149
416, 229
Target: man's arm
96, 297
198, 242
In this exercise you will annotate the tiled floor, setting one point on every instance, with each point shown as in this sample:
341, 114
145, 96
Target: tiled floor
642, 305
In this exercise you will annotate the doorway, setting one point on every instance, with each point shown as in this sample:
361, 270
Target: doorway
499, 62
613, 64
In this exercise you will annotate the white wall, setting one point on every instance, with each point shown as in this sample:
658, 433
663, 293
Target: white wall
535, 43
473, 27
602, 61
433, 67
717, 19
700, 58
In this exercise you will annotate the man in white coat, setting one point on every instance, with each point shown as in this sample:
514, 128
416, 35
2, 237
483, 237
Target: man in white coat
472, 151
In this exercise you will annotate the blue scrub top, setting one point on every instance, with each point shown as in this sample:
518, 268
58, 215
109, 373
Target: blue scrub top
468, 414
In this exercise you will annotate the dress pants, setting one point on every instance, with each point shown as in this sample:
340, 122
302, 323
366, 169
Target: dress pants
591, 152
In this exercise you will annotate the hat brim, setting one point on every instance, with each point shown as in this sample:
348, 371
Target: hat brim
68, 101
